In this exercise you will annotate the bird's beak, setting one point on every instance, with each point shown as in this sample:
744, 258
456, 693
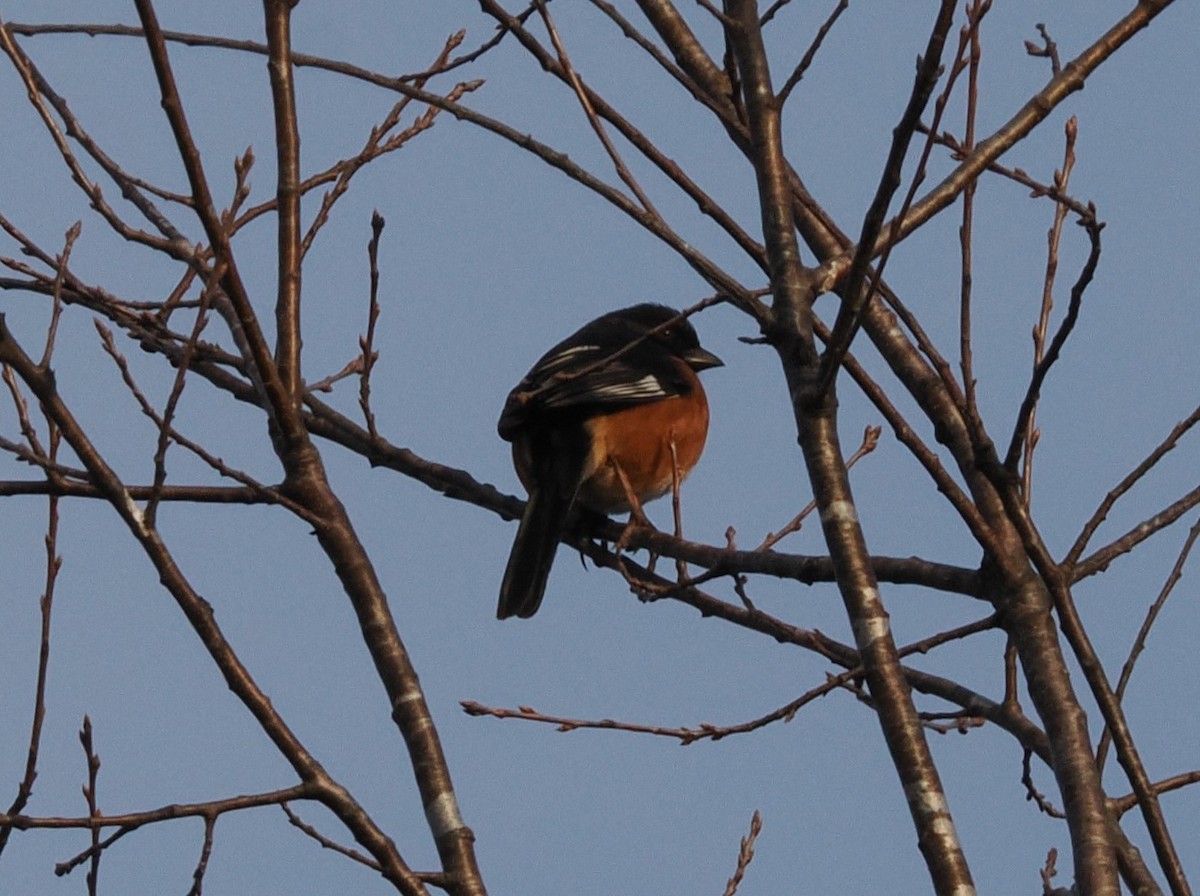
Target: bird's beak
700, 359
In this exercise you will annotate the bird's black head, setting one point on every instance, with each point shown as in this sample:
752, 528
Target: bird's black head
668, 329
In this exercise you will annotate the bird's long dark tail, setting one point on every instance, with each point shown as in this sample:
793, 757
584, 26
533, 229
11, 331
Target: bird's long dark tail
532, 554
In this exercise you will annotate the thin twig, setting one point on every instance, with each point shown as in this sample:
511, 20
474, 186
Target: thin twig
745, 855
210, 824
1037, 189
45, 603
1123, 804
861, 282
366, 343
1062, 178
593, 119
36, 88
380, 141
869, 442
811, 53
89, 794
1048, 49
644, 581
268, 494
325, 842
1122, 488
1139, 642
975, 15
1099, 559
1030, 115
168, 414
35, 453
1042, 368
1035, 795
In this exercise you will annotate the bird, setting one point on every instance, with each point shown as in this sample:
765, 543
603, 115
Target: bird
607, 419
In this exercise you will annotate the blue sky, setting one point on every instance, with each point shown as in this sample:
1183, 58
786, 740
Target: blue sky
489, 258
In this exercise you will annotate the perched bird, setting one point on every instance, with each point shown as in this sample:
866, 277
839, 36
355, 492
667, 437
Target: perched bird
595, 422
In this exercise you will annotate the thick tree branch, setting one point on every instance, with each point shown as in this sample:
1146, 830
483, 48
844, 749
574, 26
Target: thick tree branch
199, 613
816, 419
278, 14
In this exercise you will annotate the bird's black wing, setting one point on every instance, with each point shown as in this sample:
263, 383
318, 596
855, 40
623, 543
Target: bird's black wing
591, 377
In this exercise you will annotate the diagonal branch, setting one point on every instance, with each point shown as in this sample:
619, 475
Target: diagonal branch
582, 94
1073, 629
282, 416
41, 382
816, 421
1122, 488
287, 195
1139, 641
1030, 115
856, 293
1029, 403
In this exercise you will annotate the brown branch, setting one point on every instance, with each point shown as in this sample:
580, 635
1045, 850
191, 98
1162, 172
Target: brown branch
457, 484
1139, 641
168, 415
35, 453
1048, 49
89, 794
704, 266
190, 494
870, 441
1022, 427
1065, 82
861, 282
1037, 189
908, 437
130, 822
381, 140
589, 110
283, 423
200, 615
210, 825
975, 13
663, 14
1099, 560
1035, 795
1123, 804
278, 15
1029, 116
1116, 493
266, 493
1042, 328
171, 812
170, 242
46, 603
57, 306
753, 619
324, 421
366, 343
309, 831
816, 422
745, 855
706, 731
811, 53
1058, 584
307, 485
